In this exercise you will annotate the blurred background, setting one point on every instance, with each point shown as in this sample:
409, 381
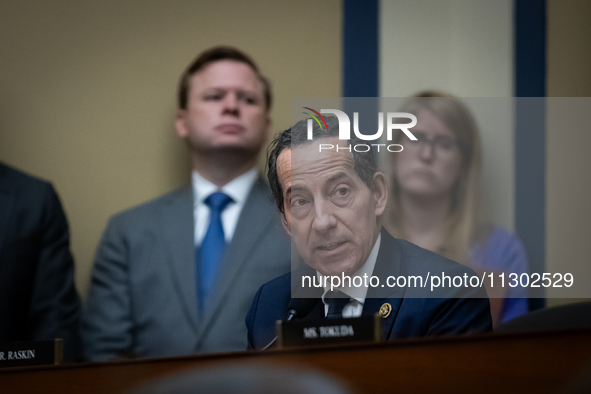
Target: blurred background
87, 94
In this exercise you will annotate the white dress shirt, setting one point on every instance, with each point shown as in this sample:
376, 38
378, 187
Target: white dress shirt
237, 189
357, 294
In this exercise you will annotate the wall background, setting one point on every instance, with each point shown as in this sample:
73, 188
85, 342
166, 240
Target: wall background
466, 47
568, 140
463, 47
87, 90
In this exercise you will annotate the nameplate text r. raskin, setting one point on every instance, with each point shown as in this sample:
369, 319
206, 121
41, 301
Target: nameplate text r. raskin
23, 354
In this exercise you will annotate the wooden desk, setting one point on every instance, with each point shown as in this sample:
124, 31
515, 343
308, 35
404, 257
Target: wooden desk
520, 363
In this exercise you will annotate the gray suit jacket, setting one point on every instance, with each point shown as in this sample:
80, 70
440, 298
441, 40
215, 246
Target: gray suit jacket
143, 299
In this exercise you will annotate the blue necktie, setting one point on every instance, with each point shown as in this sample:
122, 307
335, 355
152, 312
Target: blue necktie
212, 247
336, 303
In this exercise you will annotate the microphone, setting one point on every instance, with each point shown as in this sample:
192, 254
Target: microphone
298, 308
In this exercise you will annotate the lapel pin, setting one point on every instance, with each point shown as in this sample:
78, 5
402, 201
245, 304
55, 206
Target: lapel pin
385, 310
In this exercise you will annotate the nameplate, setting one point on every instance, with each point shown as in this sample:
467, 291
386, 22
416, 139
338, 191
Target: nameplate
328, 331
26, 354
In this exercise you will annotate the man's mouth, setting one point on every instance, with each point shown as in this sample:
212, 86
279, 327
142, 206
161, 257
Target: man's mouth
230, 128
330, 246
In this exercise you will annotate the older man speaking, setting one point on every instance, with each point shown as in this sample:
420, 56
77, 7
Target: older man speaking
332, 201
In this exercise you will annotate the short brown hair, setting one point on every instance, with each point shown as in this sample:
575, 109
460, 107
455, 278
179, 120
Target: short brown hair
216, 54
297, 135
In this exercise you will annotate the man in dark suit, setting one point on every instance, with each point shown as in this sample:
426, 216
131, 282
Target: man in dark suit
332, 201
38, 299
176, 275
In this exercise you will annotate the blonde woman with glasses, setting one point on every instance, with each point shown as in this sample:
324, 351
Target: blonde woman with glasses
435, 197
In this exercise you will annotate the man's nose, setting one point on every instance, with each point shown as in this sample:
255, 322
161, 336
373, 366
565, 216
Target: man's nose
231, 103
324, 218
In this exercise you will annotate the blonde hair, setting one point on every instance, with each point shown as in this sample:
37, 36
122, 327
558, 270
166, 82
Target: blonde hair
464, 225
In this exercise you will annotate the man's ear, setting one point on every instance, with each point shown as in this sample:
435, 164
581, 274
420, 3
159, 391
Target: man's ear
380, 193
180, 123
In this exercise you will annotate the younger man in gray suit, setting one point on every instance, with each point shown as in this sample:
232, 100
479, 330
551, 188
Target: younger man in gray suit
177, 275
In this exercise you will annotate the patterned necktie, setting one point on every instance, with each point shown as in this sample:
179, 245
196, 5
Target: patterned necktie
212, 247
336, 303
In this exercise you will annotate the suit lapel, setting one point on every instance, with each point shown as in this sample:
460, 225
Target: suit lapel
387, 264
317, 313
177, 225
254, 221
6, 202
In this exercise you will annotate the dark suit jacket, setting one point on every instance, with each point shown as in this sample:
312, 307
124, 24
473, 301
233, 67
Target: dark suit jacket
416, 312
38, 300
143, 296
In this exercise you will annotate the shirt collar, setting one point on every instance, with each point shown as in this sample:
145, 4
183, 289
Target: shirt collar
359, 293
237, 189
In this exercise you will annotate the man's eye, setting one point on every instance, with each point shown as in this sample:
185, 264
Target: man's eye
343, 191
299, 202
212, 97
249, 100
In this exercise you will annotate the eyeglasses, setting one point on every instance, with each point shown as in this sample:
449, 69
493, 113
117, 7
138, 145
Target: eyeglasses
441, 144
